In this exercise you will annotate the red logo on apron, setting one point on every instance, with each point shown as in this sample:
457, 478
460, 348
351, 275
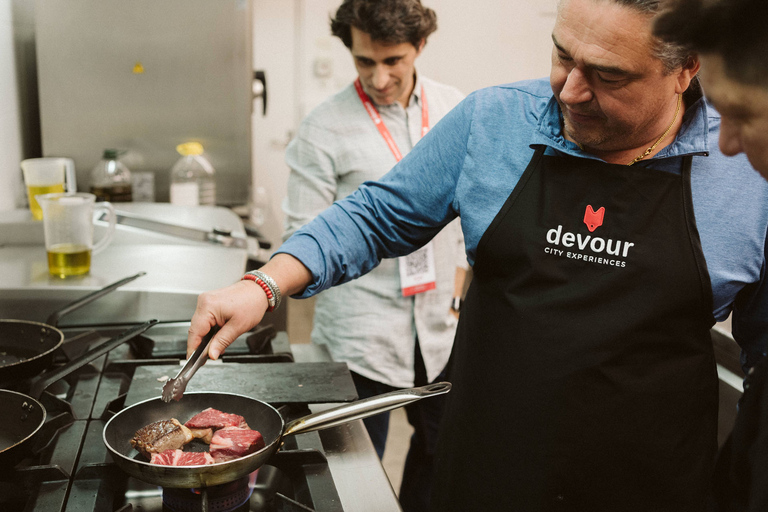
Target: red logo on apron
593, 219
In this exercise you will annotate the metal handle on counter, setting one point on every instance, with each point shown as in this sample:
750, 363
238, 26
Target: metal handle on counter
364, 408
56, 315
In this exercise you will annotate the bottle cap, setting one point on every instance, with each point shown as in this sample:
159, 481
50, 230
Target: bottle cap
190, 148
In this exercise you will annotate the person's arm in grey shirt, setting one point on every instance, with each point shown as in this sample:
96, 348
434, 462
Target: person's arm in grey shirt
312, 179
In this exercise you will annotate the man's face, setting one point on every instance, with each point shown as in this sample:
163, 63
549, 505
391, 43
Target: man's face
614, 94
386, 71
743, 110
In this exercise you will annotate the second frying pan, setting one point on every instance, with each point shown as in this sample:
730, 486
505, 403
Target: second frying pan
27, 347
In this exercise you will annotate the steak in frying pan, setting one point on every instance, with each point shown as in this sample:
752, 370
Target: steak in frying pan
231, 442
161, 436
180, 458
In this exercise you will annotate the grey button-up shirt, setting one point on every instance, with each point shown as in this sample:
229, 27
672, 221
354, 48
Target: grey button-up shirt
367, 322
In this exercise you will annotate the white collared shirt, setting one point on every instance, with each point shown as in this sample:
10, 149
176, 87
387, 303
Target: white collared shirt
367, 323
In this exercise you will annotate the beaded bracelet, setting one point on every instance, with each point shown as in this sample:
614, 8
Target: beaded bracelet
268, 285
269, 282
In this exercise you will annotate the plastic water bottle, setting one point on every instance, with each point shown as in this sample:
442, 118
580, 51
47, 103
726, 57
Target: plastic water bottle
193, 180
111, 179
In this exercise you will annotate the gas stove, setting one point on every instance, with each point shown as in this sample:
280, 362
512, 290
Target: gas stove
71, 470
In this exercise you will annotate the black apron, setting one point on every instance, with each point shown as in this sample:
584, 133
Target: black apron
583, 372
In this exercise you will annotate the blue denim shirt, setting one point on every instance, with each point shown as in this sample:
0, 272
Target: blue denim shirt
470, 162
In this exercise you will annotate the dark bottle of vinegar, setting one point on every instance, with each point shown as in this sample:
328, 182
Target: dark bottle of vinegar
111, 179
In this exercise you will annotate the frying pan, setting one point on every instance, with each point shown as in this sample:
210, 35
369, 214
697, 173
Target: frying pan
24, 415
259, 415
27, 348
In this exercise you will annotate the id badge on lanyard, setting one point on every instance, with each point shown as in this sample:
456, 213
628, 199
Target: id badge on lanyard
417, 270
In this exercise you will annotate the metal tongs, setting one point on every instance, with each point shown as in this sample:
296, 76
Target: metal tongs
174, 388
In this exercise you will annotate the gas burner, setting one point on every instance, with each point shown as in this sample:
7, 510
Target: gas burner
220, 498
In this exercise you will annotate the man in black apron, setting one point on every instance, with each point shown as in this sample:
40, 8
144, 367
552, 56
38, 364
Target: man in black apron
608, 369
583, 372
611, 385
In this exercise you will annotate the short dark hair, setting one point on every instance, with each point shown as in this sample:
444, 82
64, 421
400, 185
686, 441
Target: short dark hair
387, 21
736, 30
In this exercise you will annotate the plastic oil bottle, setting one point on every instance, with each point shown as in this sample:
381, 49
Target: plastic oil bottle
193, 180
111, 179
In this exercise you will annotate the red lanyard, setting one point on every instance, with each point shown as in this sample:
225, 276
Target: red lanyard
379, 122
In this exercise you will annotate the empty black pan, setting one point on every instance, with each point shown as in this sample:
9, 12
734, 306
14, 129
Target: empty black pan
24, 415
27, 348
259, 415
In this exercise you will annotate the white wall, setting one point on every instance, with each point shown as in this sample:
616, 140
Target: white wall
274, 51
10, 119
479, 44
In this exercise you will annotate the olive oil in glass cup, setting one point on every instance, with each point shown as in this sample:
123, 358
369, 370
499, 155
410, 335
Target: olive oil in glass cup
68, 222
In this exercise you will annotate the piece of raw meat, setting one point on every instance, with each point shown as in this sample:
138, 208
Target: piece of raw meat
215, 419
161, 436
231, 442
180, 458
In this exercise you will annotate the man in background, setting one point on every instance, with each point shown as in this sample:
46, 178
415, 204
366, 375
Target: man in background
391, 332
731, 37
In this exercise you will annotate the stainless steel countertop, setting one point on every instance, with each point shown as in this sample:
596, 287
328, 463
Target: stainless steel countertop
177, 269
360, 479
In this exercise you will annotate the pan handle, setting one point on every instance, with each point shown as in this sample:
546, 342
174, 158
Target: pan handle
49, 378
364, 408
56, 315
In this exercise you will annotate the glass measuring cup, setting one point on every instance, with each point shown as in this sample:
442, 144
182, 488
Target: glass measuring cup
47, 176
68, 224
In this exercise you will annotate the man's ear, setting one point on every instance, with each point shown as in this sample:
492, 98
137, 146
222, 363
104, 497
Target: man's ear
689, 70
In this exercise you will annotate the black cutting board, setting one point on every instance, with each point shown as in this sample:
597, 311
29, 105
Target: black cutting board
310, 383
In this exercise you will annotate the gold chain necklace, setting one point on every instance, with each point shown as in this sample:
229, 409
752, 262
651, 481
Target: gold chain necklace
666, 132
